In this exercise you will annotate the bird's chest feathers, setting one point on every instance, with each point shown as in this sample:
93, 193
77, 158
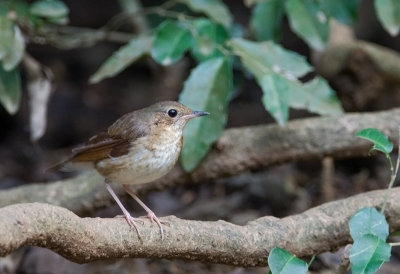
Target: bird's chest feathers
150, 158
167, 141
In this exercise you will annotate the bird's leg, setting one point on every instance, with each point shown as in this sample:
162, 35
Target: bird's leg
150, 213
131, 221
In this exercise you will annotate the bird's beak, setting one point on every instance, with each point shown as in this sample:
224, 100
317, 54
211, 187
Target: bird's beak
196, 113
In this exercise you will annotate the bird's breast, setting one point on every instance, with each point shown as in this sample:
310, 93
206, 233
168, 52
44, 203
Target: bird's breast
148, 159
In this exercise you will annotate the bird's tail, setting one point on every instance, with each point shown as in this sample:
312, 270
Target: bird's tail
56, 167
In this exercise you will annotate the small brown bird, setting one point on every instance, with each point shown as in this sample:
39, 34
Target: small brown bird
138, 148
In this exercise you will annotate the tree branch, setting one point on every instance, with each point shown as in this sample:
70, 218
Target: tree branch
82, 240
342, 44
265, 145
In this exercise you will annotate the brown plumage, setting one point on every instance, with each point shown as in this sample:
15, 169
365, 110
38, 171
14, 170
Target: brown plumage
138, 148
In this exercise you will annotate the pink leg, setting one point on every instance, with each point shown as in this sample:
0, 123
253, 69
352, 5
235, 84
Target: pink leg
150, 213
131, 221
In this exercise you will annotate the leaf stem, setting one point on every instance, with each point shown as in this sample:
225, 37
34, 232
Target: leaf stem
311, 261
393, 175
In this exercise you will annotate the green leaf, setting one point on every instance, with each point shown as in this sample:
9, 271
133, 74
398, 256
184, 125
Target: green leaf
207, 88
262, 58
171, 41
122, 58
266, 19
14, 57
316, 96
49, 8
208, 35
368, 221
283, 262
388, 14
266, 56
368, 254
309, 22
216, 10
344, 11
12, 45
381, 141
276, 96
10, 89
274, 69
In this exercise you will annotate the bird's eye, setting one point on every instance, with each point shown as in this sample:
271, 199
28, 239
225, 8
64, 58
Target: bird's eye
172, 112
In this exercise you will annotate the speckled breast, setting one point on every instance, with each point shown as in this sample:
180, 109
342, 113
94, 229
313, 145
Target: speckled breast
144, 163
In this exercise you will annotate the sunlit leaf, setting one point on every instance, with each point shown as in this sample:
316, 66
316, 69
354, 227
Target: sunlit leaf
281, 261
122, 58
216, 10
266, 56
316, 96
274, 69
308, 21
388, 14
12, 45
368, 254
207, 88
171, 41
14, 57
6, 36
380, 141
266, 20
206, 39
49, 8
10, 89
368, 221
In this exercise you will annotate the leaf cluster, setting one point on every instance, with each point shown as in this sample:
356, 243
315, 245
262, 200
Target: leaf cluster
15, 16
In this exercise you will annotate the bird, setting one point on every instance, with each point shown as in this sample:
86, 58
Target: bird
138, 148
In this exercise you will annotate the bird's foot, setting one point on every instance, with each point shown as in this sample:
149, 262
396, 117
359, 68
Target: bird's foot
132, 222
154, 218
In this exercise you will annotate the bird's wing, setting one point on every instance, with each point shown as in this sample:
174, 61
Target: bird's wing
116, 141
99, 147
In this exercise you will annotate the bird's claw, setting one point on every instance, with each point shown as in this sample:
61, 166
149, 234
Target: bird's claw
132, 223
154, 218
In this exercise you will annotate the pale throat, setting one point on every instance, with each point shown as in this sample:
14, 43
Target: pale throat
169, 136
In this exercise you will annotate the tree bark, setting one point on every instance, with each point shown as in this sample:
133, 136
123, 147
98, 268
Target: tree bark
320, 229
